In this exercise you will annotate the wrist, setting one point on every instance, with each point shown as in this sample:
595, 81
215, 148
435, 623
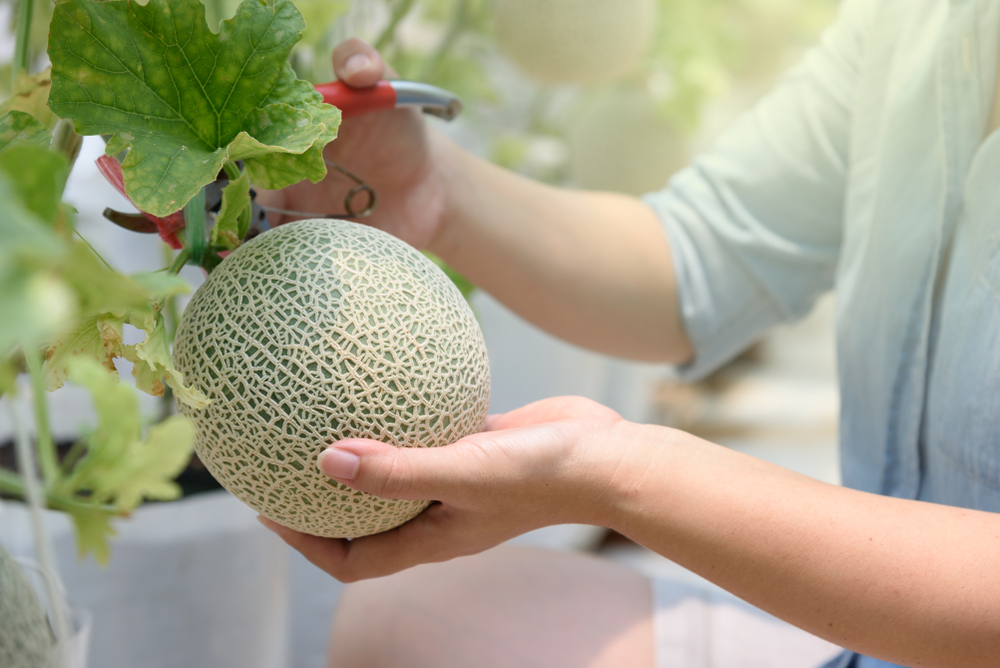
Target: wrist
452, 179
638, 458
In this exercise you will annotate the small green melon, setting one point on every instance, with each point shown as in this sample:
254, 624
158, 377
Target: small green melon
317, 331
26, 639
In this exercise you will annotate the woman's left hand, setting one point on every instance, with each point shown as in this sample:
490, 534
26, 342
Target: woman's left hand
547, 463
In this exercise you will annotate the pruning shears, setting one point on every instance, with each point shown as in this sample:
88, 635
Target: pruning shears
352, 102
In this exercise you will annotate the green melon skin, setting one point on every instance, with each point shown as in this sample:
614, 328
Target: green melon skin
317, 331
26, 639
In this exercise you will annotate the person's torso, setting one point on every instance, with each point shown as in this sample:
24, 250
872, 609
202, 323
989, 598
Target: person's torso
919, 274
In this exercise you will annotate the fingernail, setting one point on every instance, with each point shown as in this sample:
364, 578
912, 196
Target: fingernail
338, 463
356, 63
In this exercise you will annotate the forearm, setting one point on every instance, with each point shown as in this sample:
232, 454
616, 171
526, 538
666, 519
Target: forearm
592, 268
914, 583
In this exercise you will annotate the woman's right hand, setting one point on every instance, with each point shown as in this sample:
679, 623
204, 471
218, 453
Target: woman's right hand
391, 150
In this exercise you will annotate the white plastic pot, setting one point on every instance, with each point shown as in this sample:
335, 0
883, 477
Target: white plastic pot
197, 582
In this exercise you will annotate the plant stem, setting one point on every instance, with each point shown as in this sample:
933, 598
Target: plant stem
22, 48
66, 141
72, 457
232, 171
42, 544
179, 261
170, 314
48, 462
194, 227
399, 12
13, 485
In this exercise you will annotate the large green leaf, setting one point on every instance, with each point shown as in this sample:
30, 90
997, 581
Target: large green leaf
184, 100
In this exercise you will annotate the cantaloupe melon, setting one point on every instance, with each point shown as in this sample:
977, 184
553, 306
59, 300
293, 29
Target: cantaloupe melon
318, 331
26, 639
575, 41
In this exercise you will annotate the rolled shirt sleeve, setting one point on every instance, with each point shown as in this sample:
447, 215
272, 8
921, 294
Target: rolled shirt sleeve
755, 224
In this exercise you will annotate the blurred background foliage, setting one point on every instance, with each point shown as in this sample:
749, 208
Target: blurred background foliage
603, 94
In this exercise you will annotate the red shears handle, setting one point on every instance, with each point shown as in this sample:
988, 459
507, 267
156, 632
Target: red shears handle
357, 101
388, 95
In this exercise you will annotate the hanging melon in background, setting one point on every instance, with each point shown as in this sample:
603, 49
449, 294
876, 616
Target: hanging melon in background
623, 142
26, 640
575, 41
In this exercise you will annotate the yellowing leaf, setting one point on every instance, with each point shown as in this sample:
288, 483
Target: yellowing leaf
120, 468
151, 466
153, 365
8, 375
31, 95
93, 529
17, 127
98, 337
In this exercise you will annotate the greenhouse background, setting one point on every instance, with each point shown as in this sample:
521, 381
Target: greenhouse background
579, 93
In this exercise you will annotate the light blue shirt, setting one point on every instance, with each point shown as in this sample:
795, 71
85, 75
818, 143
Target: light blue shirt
866, 171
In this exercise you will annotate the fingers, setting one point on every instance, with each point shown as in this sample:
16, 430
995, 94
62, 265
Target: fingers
421, 540
326, 553
430, 474
556, 409
358, 64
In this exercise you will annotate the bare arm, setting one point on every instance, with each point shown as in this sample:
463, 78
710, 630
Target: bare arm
591, 268
909, 582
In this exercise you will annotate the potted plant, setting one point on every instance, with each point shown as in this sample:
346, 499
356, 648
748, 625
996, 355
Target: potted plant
62, 308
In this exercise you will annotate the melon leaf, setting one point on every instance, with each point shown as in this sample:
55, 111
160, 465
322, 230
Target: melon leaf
34, 301
120, 467
235, 199
93, 529
107, 300
98, 337
153, 366
19, 127
38, 175
31, 95
8, 376
183, 100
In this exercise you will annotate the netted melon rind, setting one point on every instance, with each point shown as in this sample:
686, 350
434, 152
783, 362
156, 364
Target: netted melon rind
317, 331
25, 636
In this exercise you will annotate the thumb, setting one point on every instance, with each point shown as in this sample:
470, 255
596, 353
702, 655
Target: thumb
358, 64
429, 474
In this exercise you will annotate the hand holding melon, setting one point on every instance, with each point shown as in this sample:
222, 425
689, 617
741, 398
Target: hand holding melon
543, 464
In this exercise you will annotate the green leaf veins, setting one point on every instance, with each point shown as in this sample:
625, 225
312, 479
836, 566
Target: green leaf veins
183, 100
